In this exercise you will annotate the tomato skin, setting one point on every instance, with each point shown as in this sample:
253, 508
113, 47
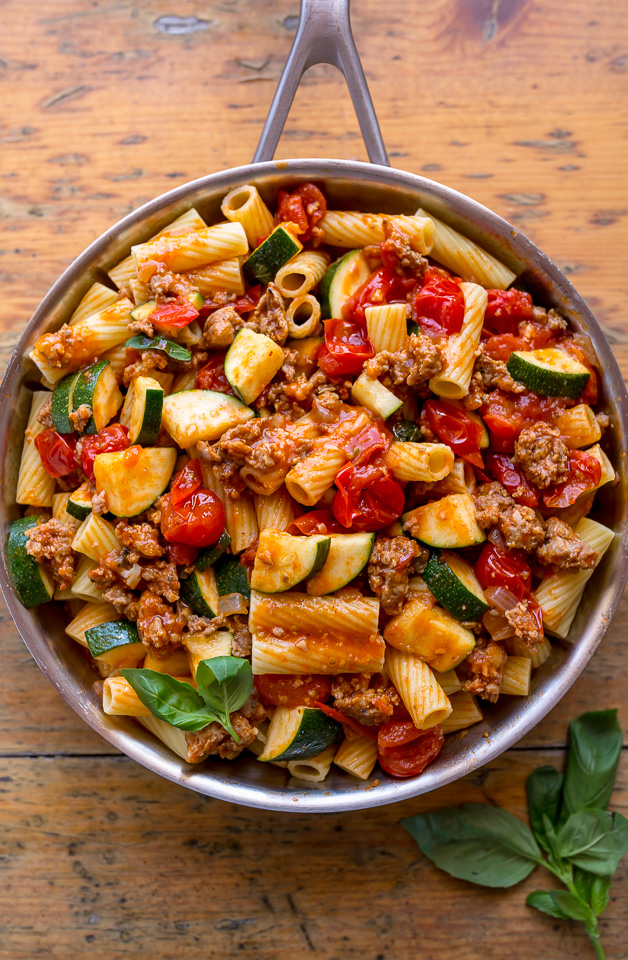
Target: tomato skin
197, 522
243, 304
346, 348
174, 313
111, 439
394, 733
438, 307
506, 309
410, 759
512, 479
354, 725
305, 207
500, 347
504, 568
585, 472
56, 452
279, 690
316, 521
181, 555
186, 482
454, 426
367, 497
212, 376
383, 286
506, 414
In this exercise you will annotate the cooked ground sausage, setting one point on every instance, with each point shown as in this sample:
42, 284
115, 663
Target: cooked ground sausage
520, 526
389, 570
542, 454
563, 547
483, 670
369, 705
525, 625
52, 542
417, 361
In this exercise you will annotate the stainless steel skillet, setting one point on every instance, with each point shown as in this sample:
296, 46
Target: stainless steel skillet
324, 35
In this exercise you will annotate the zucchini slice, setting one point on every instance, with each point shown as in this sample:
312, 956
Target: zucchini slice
63, 404
407, 432
231, 576
550, 372
171, 348
299, 733
209, 556
193, 415
201, 593
282, 560
252, 361
79, 503
449, 522
341, 281
454, 584
429, 633
33, 584
116, 642
134, 478
141, 412
98, 388
375, 397
348, 554
275, 251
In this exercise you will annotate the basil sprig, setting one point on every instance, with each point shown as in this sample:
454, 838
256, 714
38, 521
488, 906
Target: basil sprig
572, 834
224, 685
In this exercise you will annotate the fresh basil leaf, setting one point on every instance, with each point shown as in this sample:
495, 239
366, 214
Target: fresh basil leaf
225, 684
559, 903
594, 840
544, 789
476, 842
583, 882
595, 742
168, 699
600, 892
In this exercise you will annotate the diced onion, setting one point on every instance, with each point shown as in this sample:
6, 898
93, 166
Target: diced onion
232, 603
132, 576
497, 540
501, 598
497, 625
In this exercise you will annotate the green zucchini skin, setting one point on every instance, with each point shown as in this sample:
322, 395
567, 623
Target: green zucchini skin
209, 556
199, 591
85, 387
312, 732
63, 403
32, 583
105, 636
79, 504
288, 560
529, 369
341, 280
450, 591
231, 576
407, 432
275, 251
171, 348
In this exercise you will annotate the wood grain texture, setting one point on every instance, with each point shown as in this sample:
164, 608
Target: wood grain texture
105, 105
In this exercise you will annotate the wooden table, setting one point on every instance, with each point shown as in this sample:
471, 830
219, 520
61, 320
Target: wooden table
521, 105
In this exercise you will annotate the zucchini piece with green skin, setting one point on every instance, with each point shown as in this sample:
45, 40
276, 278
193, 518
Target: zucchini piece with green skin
430, 633
549, 372
341, 281
134, 478
79, 504
98, 388
273, 253
299, 733
251, 362
141, 412
407, 432
63, 403
116, 643
193, 415
449, 523
199, 590
171, 348
209, 556
348, 555
454, 584
33, 584
231, 576
373, 395
282, 560
144, 310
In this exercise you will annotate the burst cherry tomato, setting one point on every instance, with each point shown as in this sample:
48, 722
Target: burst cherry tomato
505, 415
512, 478
438, 306
56, 452
305, 207
346, 348
354, 725
410, 759
198, 521
212, 376
394, 733
454, 426
585, 473
383, 286
109, 440
504, 568
181, 554
174, 313
286, 691
242, 305
500, 347
316, 521
367, 497
506, 309
186, 482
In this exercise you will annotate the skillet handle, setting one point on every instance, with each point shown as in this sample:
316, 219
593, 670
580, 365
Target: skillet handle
324, 36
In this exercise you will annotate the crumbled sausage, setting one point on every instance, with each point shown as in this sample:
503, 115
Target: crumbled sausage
542, 317
99, 503
45, 414
159, 626
242, 642
482, 671
125, 601
476, 396
163, 283
603, 420
491, 499
525, 625
494, 373
52, 541
396, 246
58, 348
542, 454
139, 537
389, 570
149, 360
417, 361
269, 316
163, 579
563, 547
80, 417
494, 507
215, 740
369, 700
221, 327
142, 325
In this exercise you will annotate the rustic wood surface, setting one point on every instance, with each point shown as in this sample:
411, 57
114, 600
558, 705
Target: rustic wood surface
105, 104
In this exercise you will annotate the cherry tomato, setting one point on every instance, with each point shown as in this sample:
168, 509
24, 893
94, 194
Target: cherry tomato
383, 286
287, 691
56, 452
504, 568
243, 304
174, 313
506, 309
410, 759
438, 306
354, 725
316, 521
305, 207
367, 497
212, 376
505, 415
512, 478
373, 439
501, 346
181, 554
585, 473
346, 348
394, 733
197, 522
453, 425
109, 440
186, 482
